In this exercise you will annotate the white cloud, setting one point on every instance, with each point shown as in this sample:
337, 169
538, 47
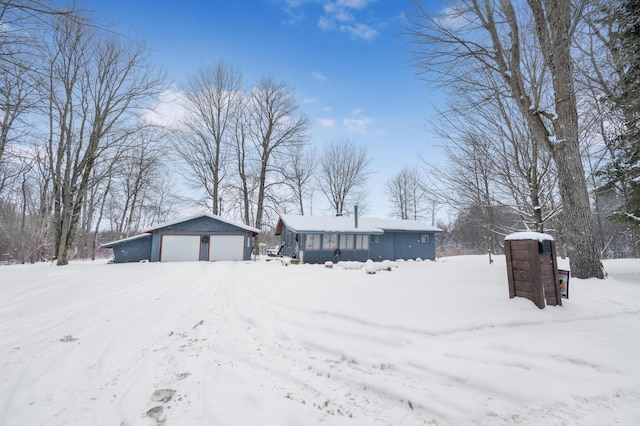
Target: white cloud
327, 122
293, 8
362, 31
168, 111
453, 18
318, 76
354, 4
357, 123
325, 23
294, 3
340, 14
343, 17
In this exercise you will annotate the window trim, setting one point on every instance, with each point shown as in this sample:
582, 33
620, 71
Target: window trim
362, 242
326, 238
347, 241
322, 241
312, 238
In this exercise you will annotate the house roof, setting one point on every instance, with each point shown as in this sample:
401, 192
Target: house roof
124, 240
196, 216
147, 232
344, 224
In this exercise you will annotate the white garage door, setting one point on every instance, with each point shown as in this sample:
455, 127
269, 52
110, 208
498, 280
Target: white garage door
226, 247
180, 248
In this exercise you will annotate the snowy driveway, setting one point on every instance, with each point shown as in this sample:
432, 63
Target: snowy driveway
262, 344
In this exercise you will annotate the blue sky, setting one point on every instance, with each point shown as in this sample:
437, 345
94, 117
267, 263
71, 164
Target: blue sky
346, 60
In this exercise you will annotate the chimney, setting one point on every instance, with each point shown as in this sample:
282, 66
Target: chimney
355, 215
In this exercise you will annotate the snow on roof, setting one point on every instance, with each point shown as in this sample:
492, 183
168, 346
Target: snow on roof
124, 240
529, 236
196, 216
345, 224
399, 225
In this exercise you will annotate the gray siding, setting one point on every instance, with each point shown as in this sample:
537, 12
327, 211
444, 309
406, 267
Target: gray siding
404, 245
201, 226
147, 246
132, 250
392, 245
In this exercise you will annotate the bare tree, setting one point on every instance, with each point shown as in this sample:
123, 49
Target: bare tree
163, 201
212, 99
466, 183
22, 23
243, 185
25, 207
298, 173
494, 38
95, 84
408, 194
275, 127
521, 170
132, 178
17, 97
344, 170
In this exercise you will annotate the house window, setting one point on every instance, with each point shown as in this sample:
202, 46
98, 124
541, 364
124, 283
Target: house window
329, 242
346, 242
424, 238
362, 242
312, 242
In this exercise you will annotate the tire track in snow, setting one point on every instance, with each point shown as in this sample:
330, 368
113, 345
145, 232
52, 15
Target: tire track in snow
423, 383
296, 371
116, 334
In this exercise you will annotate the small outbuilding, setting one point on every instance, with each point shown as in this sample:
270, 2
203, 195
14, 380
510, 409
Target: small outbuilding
318, 239
200, 237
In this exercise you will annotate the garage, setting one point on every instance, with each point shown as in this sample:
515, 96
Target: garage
226, 247
199, 237
180, 248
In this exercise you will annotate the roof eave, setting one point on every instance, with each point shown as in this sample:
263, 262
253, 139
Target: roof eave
124, 240
254, 231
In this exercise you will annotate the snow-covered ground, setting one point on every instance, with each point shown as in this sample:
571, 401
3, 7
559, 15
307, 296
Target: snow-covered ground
260, 343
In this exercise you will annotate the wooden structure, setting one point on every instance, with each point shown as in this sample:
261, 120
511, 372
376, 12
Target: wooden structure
532, 268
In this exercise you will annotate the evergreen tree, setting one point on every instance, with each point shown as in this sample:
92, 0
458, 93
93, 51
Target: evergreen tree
623, 173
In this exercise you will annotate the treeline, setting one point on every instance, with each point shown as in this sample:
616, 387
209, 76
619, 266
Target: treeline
541, 129
73, 145
83, 161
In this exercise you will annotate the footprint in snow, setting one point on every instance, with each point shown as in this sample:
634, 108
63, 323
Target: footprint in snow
183, 376
162, 395
156, 414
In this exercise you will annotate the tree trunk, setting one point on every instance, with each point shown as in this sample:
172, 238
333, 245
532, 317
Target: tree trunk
584, 256
553, 27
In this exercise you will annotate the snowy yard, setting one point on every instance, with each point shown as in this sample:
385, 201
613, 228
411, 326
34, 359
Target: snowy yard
258, 343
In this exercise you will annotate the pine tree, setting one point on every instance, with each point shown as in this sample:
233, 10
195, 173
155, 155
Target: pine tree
623, 172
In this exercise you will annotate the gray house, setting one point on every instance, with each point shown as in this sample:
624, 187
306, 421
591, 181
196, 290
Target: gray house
200, 237
317, 239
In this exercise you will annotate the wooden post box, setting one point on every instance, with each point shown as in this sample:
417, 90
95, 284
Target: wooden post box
532, 268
